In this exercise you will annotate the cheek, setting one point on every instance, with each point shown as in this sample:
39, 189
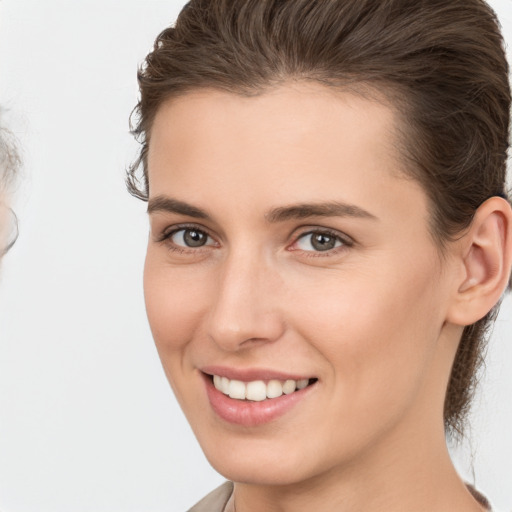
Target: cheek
378, 331
173, 303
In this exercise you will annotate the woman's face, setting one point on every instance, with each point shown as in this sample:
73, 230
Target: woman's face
5, 223
286, 245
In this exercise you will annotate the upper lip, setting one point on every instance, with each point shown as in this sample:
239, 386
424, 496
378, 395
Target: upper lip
252, 374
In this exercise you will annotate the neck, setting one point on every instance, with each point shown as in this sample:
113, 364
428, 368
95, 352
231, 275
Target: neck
421, 478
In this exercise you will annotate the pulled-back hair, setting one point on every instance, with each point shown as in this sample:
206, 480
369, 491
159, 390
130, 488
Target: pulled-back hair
441, 66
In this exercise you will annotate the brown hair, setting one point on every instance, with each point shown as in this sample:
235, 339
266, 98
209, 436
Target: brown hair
440, 64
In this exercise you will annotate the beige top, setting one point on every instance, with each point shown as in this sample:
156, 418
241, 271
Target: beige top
221, 500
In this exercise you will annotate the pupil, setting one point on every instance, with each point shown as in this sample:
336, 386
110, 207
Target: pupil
194, 238
323, 242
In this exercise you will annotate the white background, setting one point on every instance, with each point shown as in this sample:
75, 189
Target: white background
87, 421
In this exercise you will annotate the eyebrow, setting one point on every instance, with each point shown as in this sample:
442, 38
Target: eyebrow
329, 209
168, 204
280, 214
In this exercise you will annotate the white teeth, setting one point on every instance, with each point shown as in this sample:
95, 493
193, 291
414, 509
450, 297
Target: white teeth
274, 389
257, 390
237, 389
224, 385
289, 387
301, 384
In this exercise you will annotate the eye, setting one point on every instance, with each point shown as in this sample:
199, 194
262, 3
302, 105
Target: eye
319, 241
190, 237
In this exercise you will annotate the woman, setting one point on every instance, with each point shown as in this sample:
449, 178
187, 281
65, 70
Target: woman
9, 163
330, 238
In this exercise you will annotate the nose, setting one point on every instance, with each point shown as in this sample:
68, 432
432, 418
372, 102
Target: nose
245, 310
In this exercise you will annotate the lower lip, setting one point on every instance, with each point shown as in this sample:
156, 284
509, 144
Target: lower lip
250, 414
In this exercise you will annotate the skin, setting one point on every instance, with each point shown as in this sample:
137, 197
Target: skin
7, 166
370, 319
4, 222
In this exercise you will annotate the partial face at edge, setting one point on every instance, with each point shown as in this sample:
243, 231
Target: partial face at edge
242, 278
7, 225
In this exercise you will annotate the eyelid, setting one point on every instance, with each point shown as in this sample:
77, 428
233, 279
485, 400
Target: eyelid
346, 240
169, 231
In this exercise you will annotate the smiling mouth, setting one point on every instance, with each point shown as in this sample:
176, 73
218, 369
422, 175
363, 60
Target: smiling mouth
258, 390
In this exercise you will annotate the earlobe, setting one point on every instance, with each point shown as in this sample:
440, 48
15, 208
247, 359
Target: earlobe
486, 261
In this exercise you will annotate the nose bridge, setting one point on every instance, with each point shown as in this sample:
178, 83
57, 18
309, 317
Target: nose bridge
244, 307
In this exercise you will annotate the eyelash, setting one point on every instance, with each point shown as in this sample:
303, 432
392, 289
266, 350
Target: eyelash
166, 236
346, 241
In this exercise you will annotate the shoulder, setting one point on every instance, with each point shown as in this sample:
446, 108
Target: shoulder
216, 500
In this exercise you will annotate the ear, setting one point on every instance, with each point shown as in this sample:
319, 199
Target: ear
485, 261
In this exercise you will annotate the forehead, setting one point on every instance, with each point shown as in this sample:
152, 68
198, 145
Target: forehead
283, 113
298, 142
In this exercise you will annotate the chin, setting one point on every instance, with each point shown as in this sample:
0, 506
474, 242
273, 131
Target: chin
260, 461
258, 473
